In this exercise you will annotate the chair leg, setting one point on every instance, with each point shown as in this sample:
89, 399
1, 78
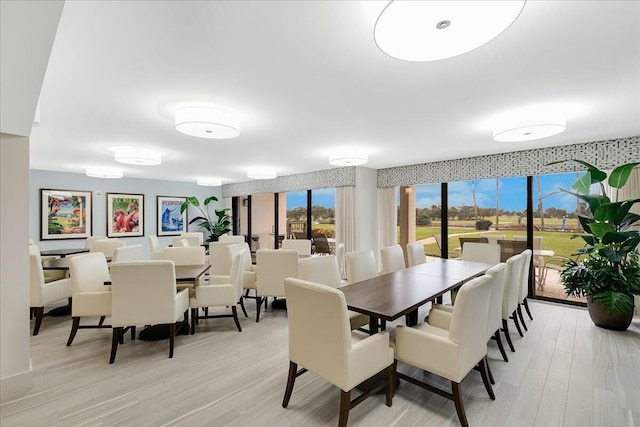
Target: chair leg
524, 325
485, 378
194, 317
496, 335
133, 333
258, 305
345, 405
491, 379
505, 329
74, 329
101, 321
115, 339
526, 307
457, 399
390, 386
185, 322
38, 312
514, 316
172, 337
244, 310
291, 380
235, 317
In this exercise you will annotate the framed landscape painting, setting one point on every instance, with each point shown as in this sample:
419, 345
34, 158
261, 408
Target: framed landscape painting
65, 214
170, 221
125, 215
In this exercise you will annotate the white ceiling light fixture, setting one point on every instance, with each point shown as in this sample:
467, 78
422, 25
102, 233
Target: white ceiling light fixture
138, 156
528, 131
209, 182
103, 172
431, 30
348, 158
262, 173
207, 122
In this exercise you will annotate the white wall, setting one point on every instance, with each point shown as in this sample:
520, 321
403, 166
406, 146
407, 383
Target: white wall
366, 209
150, 188
15, 357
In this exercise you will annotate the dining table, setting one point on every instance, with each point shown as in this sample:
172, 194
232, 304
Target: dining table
63, 252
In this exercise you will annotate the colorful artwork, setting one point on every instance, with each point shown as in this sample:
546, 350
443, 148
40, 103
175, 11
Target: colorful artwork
65, 214
170, 221
125, 213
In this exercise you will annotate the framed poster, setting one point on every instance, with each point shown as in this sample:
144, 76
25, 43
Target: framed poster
125, 215
65, 214
170, 221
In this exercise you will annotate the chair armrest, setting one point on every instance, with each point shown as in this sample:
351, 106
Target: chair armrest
367, 357
219, 279
444, 307
440, 318
182, 303
426, 351
215, 295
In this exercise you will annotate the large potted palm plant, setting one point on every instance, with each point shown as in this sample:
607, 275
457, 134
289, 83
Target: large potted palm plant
216, 227
608, 273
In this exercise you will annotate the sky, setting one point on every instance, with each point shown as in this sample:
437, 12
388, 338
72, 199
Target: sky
512, 194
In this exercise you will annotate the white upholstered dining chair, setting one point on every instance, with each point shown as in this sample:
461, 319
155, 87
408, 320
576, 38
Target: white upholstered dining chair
360, 265
145, 293
303, 246
524, 287
510, 297
392, 259
231, 238
415, 254
128, 253
272, 267
320, 340
481, 252
107, 246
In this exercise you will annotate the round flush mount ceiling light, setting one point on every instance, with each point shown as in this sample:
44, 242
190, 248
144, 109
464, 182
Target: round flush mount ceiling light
209, 182
348, 158
207, 122
523, 129
103, 172
138, 156
262, 173
432, 30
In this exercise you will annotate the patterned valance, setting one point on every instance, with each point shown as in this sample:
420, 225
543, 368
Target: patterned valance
330, 178
603, 154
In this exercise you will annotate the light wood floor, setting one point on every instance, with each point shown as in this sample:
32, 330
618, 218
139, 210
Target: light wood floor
565, 372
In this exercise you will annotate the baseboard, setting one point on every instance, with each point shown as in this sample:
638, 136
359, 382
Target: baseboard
15, 386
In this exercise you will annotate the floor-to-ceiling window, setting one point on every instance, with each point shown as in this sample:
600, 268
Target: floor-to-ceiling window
296, 214
428, 214
323, 213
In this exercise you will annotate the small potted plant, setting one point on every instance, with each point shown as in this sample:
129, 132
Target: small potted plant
609, 272
217, 227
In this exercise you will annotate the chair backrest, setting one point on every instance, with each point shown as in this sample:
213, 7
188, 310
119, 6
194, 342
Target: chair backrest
231, 238
128, 253
195, 238
272, 267
88, 272
340, 256
321, 244
415, 254
526, 268
464, 240
298, 234
319, 328
361, 265
469, 321
106, 246
481, 252
36, 276
219, 258
178, 241
537, 241
154, 243
321, 269
143, 293
512, 285
493, 238
91, 239
494, 319
239, 255
508, 248
392, 259
303, 246
190, 255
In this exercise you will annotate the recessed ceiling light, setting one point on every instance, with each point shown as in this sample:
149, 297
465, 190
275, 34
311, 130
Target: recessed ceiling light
529, 132
207, 122
348, 158
103, 172
209, 182
432, 30
138, 156
261, 173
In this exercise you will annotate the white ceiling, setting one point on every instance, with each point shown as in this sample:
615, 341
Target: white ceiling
307, 77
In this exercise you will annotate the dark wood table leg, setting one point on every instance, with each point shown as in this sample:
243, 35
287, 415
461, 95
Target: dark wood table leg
411, 319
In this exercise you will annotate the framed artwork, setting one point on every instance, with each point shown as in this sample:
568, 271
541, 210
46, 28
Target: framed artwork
170, 221
65, 214
125, 215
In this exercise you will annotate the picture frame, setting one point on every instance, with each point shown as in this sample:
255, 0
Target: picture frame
169, 219
65, 214
125, 215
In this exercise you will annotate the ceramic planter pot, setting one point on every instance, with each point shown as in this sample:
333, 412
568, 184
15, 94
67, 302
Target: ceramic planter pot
601, 317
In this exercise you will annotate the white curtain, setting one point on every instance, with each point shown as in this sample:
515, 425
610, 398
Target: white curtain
388, 216
631, 190
345, 218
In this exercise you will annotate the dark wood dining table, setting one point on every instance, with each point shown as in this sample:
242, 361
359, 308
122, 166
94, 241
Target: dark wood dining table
403, 292
63, 252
